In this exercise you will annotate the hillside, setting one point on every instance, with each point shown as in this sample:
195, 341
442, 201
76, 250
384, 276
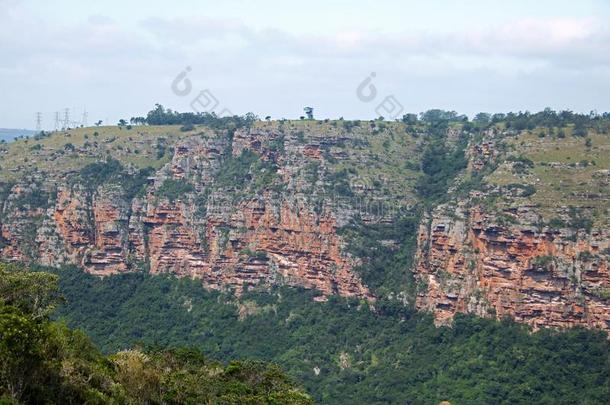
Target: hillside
344, 351
345, 241
454, 216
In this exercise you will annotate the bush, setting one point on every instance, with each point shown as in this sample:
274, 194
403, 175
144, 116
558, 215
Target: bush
174, 189
440, 164
602, 293
580, 221
586, 256
32, 199
246, 169
95, 174
557, 223
580, 131
525, 190
300, 137
339, 183
187, 127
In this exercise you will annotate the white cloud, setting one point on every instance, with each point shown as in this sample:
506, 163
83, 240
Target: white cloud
277, 70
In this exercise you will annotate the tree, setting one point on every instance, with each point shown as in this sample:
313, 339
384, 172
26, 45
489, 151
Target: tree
122, 122
33, 293
482, 118
410, 118
46, 362
436, 115
308, 112
580, 130
137, 120
20, 349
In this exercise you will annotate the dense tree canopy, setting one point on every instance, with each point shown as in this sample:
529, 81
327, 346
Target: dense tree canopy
345, 351
46, 362
162, 116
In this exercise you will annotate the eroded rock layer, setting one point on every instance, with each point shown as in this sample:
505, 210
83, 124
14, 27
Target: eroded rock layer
468, 263
225, 237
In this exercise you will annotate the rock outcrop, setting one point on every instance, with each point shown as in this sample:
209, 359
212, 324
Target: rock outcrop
467, 263
227, 238
263, 206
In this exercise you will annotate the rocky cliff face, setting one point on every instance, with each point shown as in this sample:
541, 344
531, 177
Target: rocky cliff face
266, 205
468, 263
502, 259
228, 238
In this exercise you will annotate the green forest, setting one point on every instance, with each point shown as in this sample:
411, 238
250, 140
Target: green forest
343, 351
45, 362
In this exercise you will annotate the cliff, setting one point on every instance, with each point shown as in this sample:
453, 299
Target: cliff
513, 247
552, 277
519, 230
229, 236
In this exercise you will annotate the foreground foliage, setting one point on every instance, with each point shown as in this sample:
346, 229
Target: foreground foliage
46, 362
343, 351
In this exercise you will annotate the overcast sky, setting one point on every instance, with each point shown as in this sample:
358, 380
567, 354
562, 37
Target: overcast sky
273, 57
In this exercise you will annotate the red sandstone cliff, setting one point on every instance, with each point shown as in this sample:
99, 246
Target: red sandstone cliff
227, 242
468, 263
467, 260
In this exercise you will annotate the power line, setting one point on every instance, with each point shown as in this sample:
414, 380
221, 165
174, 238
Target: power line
57, 121
66, 118
38, 121
85, 115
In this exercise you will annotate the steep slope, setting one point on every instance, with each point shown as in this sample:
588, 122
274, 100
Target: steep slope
234, 208
504, 218
531, 242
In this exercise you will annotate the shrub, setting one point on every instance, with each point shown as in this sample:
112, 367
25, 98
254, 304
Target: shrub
300, 137
585, 256
542, 263
525, 190
187, 127
277, 145
557, 223
95, 174
579, 221
602, 293
32, 200
174, 189
247, 168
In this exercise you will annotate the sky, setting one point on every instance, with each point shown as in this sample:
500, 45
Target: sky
354, 59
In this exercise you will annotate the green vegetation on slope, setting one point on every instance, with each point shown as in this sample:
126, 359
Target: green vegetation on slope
393, 245
565, 172
343, 351
45, 362
440, 164
71, 150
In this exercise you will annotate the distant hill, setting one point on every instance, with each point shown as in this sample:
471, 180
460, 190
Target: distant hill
10, 134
